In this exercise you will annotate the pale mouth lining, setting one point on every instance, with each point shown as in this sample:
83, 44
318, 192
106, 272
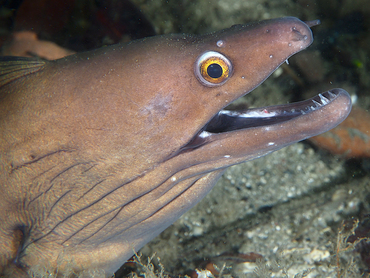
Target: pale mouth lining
229, 121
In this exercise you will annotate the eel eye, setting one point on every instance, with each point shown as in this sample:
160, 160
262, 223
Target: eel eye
213, 69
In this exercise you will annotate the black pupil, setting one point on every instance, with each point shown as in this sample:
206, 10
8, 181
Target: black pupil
214, 71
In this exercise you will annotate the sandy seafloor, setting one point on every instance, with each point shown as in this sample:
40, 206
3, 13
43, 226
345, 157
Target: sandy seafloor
288, 206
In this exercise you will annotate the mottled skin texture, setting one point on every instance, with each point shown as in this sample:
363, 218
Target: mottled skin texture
91, 166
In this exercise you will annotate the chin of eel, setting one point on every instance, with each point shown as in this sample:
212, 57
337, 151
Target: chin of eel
101, 151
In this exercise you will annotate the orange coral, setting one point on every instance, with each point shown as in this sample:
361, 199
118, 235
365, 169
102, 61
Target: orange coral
351, 138
27, 44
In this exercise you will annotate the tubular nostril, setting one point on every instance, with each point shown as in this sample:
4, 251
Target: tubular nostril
312, 23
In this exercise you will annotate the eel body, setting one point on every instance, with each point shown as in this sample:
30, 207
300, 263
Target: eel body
101, 151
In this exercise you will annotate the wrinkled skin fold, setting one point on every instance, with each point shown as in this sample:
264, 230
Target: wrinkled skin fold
101, 151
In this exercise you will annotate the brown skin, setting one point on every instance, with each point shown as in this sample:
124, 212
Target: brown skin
91, 166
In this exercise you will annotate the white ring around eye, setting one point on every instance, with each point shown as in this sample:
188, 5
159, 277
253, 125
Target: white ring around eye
204, 57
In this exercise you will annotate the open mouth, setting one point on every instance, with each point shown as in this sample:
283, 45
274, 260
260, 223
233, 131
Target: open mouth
226, 120
229, 121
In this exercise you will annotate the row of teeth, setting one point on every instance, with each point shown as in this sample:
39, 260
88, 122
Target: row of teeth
323, 99
268, 114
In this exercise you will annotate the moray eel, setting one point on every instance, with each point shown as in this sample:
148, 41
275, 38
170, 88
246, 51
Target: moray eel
101, 151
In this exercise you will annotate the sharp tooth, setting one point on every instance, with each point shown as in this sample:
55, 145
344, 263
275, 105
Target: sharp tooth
318, 104
324, 100
331, 94
287, 62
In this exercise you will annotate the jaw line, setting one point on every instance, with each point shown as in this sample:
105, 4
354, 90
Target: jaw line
226, 121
